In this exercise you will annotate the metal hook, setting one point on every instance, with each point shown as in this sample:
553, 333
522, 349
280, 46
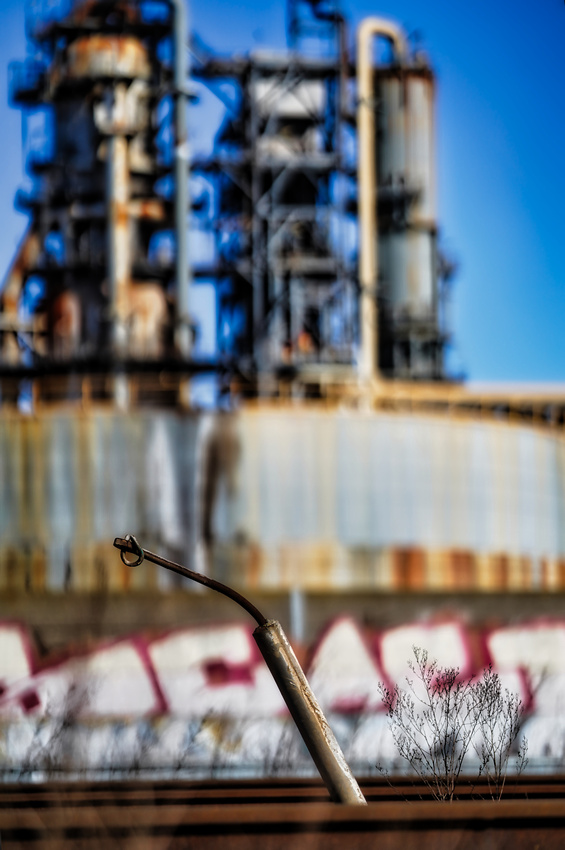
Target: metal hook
136, 549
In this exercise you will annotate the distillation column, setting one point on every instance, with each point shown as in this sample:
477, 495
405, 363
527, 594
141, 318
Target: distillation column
399, 332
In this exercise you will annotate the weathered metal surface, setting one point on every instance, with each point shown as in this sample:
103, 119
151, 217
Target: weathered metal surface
125, 110
368, 482
64, 513
151, 208
307, 714
118, 240
406, 119
408, 263
280, 498
183, 332
146, 312
406, 163
108, 56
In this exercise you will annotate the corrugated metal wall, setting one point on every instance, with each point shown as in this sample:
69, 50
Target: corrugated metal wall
352, 499
281, 498
380, 479
70, 483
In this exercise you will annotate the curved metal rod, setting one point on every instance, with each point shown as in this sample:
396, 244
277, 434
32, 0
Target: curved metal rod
130, 545
287, 673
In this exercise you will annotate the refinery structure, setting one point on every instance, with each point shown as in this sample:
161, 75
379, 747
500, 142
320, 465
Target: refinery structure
295, 259
341, 468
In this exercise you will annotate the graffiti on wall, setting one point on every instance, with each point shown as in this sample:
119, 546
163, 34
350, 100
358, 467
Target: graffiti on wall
203, 698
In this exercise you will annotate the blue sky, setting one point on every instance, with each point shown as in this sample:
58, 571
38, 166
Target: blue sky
501, 177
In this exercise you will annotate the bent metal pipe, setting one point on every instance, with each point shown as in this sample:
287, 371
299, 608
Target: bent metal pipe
287, 673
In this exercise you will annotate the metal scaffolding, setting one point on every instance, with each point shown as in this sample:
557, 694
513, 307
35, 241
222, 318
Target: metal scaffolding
280, 181
286, 219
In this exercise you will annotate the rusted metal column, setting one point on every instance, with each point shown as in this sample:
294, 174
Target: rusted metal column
307, 714
181, 199
287, 673
118, 248
183, 331
119, 255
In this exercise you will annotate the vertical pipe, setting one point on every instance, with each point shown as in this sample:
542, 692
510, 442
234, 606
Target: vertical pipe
119, 256
257, 261
368, 30
118, 241
297, 614
181, 202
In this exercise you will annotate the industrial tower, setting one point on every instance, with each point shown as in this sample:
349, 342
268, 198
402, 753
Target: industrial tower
99, 286
294, 177
317, 282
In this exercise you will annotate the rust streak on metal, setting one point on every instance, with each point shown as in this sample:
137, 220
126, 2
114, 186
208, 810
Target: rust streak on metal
147, 208
105, 55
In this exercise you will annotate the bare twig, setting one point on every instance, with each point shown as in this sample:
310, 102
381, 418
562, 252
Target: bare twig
441, 717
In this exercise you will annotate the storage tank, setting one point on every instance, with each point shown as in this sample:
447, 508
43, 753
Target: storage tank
407, 213
407, 220
400, 332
